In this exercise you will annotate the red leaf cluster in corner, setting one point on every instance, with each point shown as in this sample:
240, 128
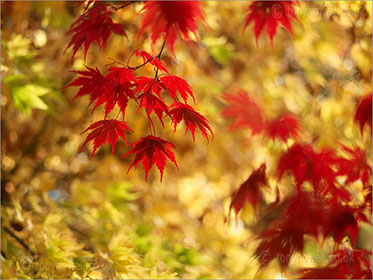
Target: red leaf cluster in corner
345, 263
363, 113
167, 18
95, 24
319, 212
249, 114
268, 15
250, 190
306, 214
320, 209
106, 131
152, 150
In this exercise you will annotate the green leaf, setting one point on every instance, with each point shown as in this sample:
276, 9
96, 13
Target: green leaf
27, 97
219, 49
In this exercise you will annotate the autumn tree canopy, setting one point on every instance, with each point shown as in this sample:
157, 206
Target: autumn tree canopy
250, 122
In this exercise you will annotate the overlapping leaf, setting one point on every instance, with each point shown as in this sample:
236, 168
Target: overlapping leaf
268, 15
175, 84
115, 88
152, 150
168, 19
356, 167
250, 190
192, 119
308, 165
284, 127
105, 131
94, 25
152, 103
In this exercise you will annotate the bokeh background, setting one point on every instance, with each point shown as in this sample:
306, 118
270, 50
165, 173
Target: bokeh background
84, 218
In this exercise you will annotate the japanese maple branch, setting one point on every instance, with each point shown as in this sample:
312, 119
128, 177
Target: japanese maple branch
147, 61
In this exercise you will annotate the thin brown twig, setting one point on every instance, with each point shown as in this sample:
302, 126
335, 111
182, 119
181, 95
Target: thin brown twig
19, 240
125, 5
146, 62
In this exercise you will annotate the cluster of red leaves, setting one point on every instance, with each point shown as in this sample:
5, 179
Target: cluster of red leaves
268, 15
167, 19
324, 210
120, 84
247, 113
118, 87
95, 24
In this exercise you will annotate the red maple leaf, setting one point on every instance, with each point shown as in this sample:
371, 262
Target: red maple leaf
301, 214
176, 84
363, 113
308, 165
94, 25
344, 264
91, 83
115, 88
279, 243
152, 103
343, 220
250, 191
283, 127
152, 150
105, 131
269, 14
304, 212
148, 85
246, 112
355, 168
147, 58
167, 19
119, 89
192, 119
